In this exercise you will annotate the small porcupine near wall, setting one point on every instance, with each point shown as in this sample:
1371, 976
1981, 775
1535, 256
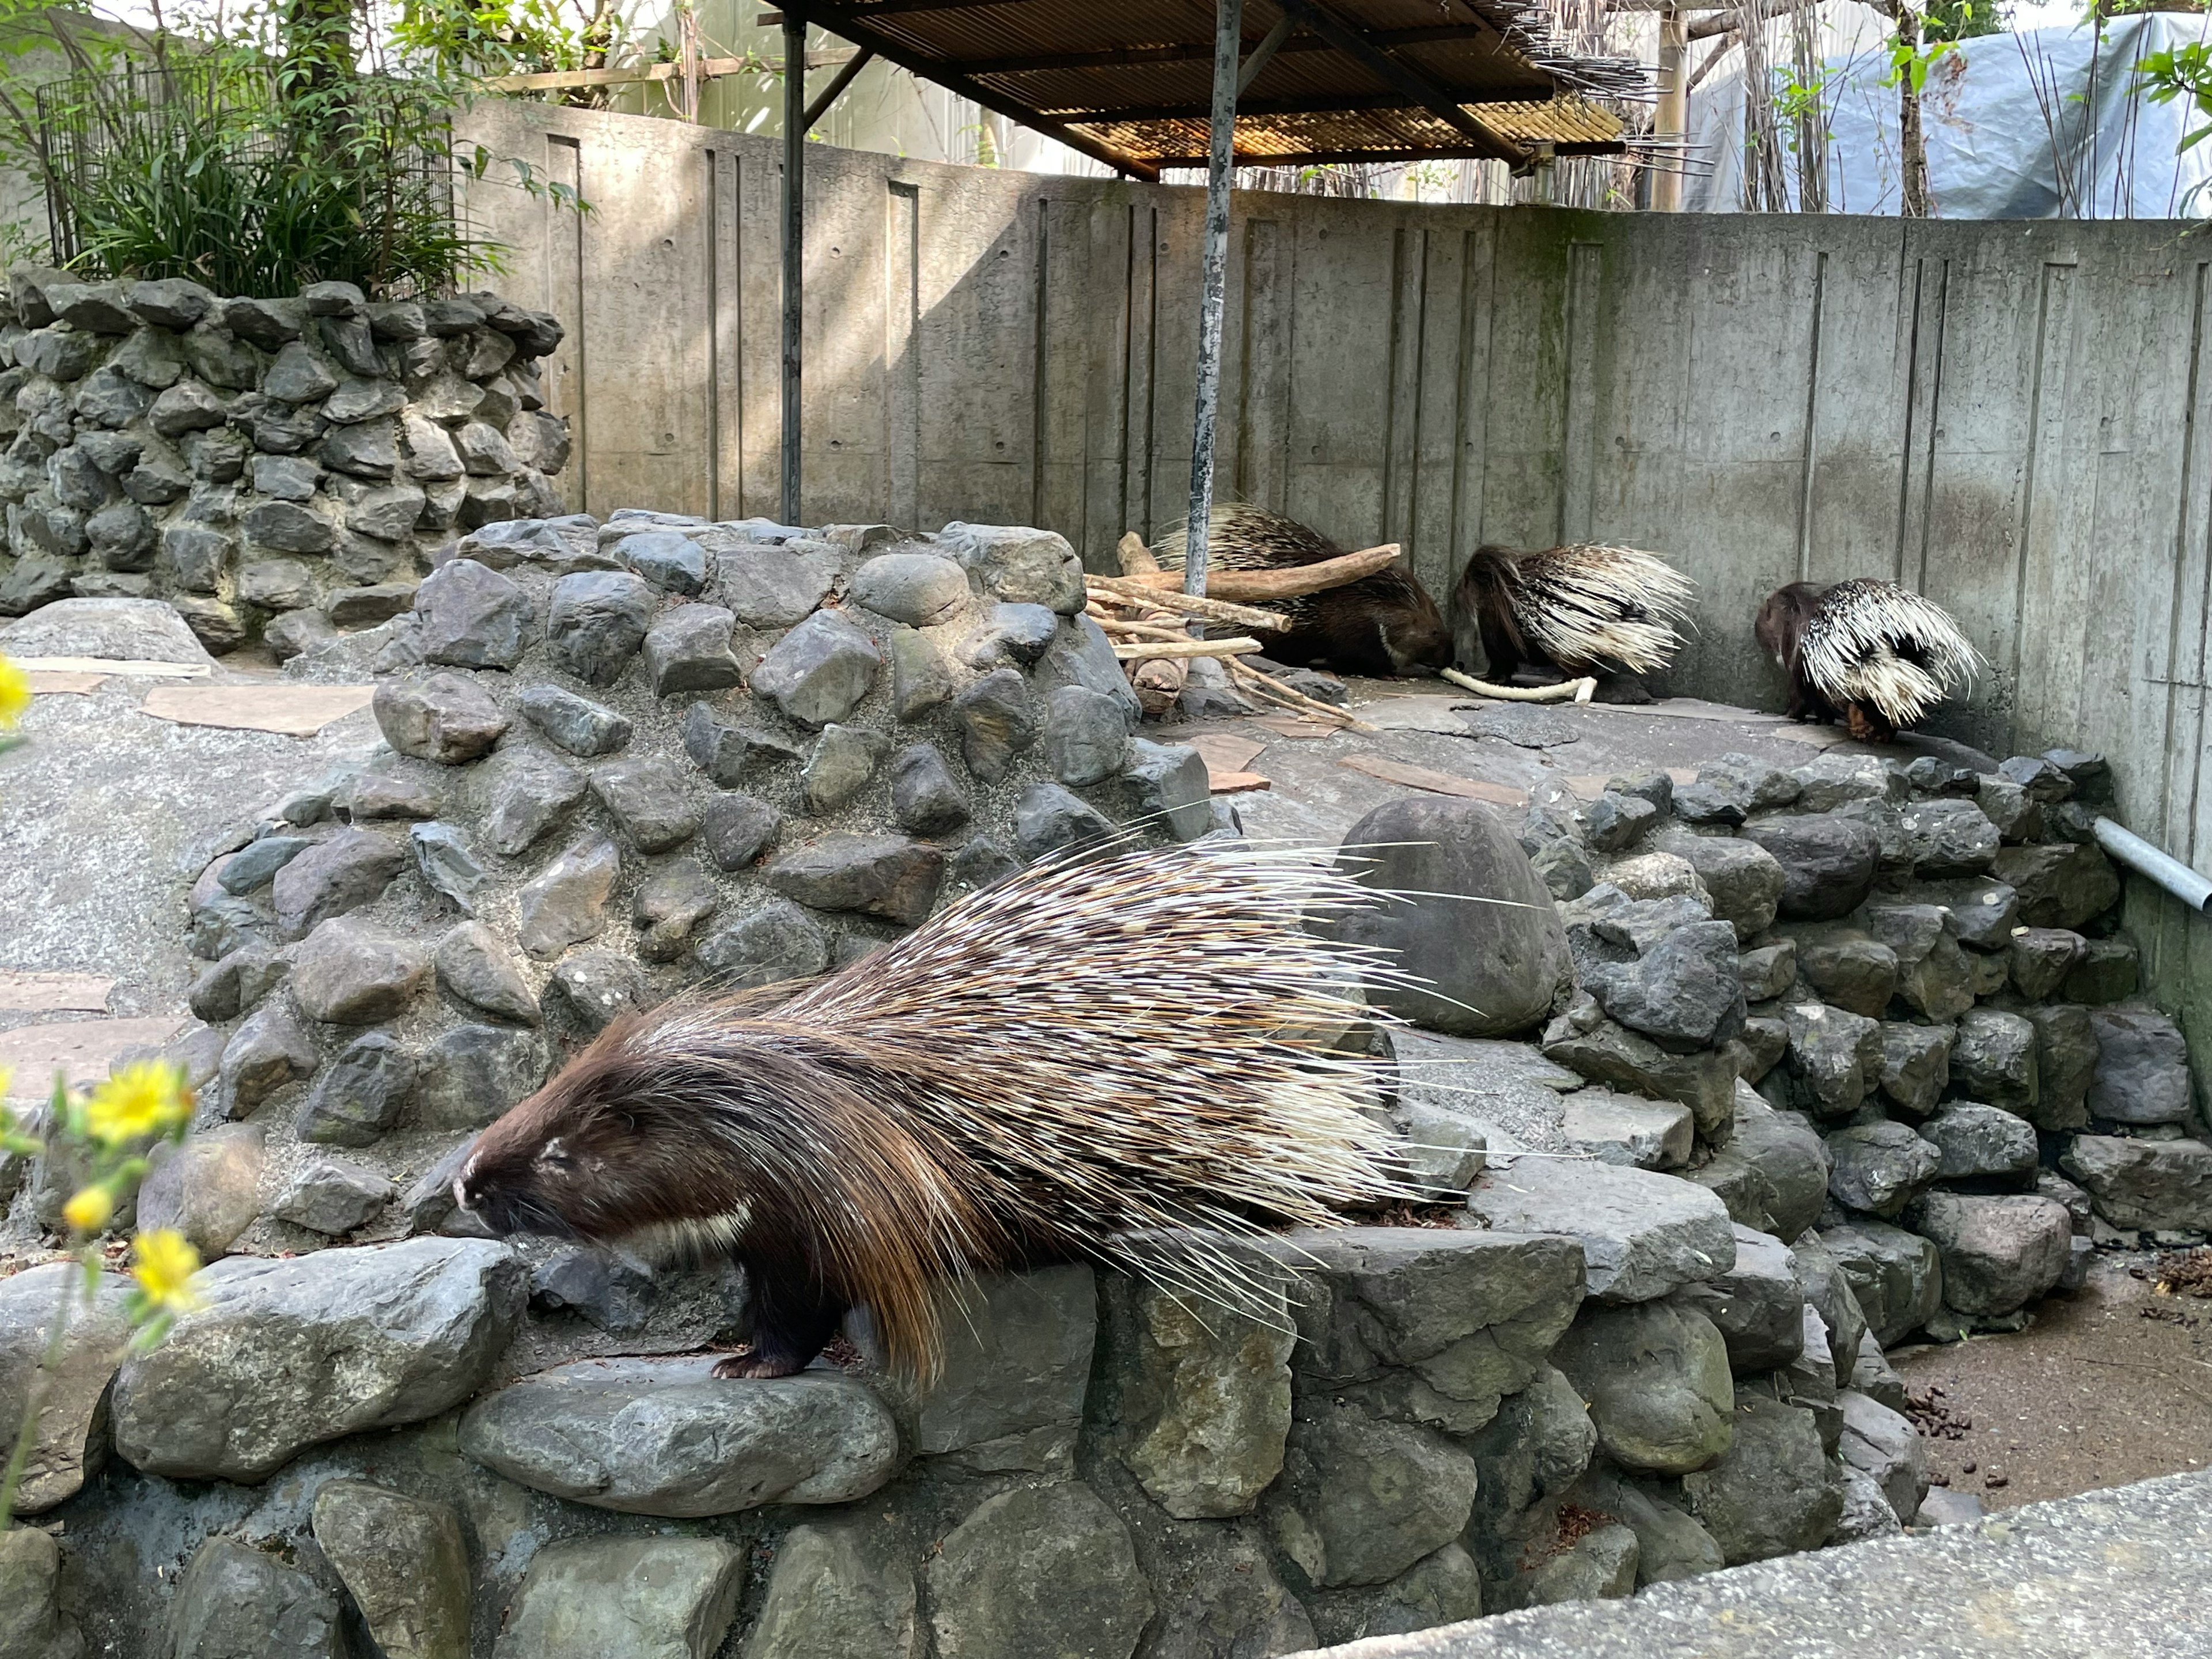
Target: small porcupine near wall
1014, 1082
1382, 625
1587, 609
1874, 655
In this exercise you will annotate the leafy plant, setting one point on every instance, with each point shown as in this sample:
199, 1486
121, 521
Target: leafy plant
2181, 72
108, 1131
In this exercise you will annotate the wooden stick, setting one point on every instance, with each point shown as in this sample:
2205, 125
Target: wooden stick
1137, 559
1273, 691
1287, 584
1581, 690
1137, 630
1129, 590
1145, 650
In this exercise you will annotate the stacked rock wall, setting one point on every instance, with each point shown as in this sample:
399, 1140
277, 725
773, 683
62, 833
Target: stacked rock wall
275, 467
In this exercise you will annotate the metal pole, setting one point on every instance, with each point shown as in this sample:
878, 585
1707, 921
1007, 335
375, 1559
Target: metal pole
1228, 47
2168, 872
794, 249
1671, 120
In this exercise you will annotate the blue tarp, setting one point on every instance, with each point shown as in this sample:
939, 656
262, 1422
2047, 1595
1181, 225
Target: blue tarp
2044, 124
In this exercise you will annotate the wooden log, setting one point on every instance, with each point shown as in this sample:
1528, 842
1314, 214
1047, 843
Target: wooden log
1145, 650
1141, 592
1270, 689
1581, 690
1287, 584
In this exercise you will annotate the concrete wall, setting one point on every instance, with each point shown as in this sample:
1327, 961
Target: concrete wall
2009, 416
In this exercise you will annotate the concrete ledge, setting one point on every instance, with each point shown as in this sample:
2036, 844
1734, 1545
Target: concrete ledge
2122, 1573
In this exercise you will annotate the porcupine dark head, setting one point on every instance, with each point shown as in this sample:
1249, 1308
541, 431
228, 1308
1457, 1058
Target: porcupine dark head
1483, 615
1382, 625
1780, 625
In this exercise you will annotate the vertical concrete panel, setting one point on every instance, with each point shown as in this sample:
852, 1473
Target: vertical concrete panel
1431, 531
902, 440
1141, 389
1525, 391
1102, 272
1268, 318
1344, 370
1067, 307
1401, 429
1586, 328
726, 336
978, 343
846, 466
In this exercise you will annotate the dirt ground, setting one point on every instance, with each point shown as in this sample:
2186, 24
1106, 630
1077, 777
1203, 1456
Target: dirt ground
2109, 1385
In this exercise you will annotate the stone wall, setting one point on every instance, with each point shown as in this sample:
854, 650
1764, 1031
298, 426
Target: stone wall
275, 467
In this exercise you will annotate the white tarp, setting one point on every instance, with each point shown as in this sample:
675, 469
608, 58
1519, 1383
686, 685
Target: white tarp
2035, 125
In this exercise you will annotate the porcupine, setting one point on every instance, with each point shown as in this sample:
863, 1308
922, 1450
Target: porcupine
1874, 654
1057, 1067
1587, 609
1382, 625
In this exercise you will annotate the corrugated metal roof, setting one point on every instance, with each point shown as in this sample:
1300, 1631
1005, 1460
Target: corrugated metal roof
1130, 81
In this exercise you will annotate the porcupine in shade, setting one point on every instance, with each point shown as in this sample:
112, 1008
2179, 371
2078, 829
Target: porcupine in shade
1874, 654
1588, 609
1381, 625
1053, 1068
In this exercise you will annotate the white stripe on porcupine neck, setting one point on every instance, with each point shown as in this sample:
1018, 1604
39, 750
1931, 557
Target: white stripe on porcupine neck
1593, 603
1140, 1024
1849, 649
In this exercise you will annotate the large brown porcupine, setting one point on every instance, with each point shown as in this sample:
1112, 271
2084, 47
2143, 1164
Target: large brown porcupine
1094, 1050
1877, 656
1381, 625
1585, 609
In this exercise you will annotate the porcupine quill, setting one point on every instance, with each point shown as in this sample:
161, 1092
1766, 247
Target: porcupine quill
1878, 655
1097, 1051
1584, 609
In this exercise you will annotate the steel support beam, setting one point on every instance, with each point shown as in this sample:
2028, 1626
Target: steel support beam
1228, 51
794, 253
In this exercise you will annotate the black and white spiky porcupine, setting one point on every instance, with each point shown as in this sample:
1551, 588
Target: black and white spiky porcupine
1588, 609
1381, 625
1015, 1082
1875, 655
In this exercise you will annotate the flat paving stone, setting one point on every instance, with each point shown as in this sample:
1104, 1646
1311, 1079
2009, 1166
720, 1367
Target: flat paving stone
293, 711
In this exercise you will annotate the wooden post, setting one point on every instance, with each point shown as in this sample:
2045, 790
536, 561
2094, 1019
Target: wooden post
794, 250
1672, 119
1228, 48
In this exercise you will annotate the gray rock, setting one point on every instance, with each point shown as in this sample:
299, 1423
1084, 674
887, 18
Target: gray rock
978, 863
70, 1442
1016, 1363
1866, 1514
1016, 635
288, 478
884, 876
2065, 1063
349, 869
1771, 1174
1171, 788
1774, 1492
1020, 565
669, 905
1827, 863
1616, 822
1539, 1445
768, 587
234, 1600
1999, 1254
739, 829
845, 758
360, 1094
380, 602
1884, 1446
446, 865
1933, 973
597, 622
1849, 969
472, 616
1048, 819
1895, 1276
2063, 886
777, 941
1686, 991
2142, 1070
995, 723
349, 973
2018, 818
576, 724
671, 562
1993, 1059
1086, 739
369, 450
588, 990
607, 1288
625, 1598
1563, 866
1756, 1305
729, 754
1980, 1141
688, 649
1703, 1080
566, 903
405, 1563
447, 718
1950, 837
1360, 1501
2109, 971
1878, 1167
171, 302
1670, 1545
1643, 1234
1915, 1065
926, 799
1743, 879
473, 1073
237, 983
648, 799
1655, 1375
819, 671
648, 1437
264, 1054
340, 1342
530, 792
2153, 1184
919, 589
91, 308
1442, 1588
1627, 1129
1505, 965
32, 1623
1762, 1042
1600, 1566
920, 681
187, 406
332, 1196
258, 863
836, 1588
2041, 958
206, 1188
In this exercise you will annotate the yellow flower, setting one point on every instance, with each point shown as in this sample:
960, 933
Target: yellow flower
145, 1098
89, 1210
14, 693
164, 1268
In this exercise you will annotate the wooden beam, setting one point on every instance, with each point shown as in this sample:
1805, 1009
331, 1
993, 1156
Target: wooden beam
1671, 119
1259, 58
840, 19
1191, 52
1355, 43
830, 93
1213, 292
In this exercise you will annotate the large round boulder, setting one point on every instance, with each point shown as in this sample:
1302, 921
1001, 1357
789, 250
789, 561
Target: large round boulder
1477, 923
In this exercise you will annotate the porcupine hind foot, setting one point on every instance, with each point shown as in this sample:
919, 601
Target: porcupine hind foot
790, 1328
1622, 688
1862, 725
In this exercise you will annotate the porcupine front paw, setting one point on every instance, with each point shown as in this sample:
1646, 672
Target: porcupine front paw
741, 1366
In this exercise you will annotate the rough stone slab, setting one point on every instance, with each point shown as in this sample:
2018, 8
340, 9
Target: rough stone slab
2112, 1574
665, 1437
65, 1450
625, 1598
2144, 1183
1643, 1234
